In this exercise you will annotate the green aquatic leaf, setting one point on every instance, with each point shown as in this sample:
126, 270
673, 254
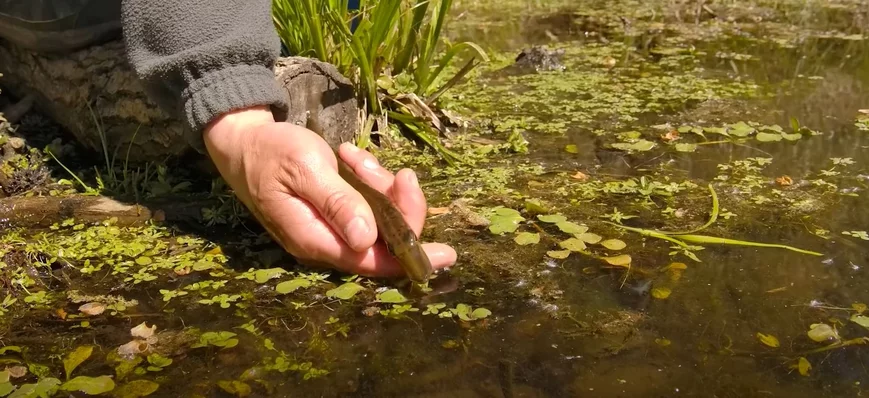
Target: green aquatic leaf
861, 320
571, 148
686, 147
589, 237
569, 227
803, 366
90, 385
768, 340
43, 388
218, 339
535, 207
235, 387
768, 137
264, 275
613, 244
159, 360
715, 130
345, 291
75, 358
143, 260
504, 220
291, 285
5, 388
641, 145
136, 389
480, 313
792, 137
558, 254
391, 296
661, 293
740, 129
4, 375
622, 260
821, 332
8, 348
572, 244
551, 218
527, 238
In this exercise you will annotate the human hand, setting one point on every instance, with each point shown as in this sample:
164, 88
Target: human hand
287, 177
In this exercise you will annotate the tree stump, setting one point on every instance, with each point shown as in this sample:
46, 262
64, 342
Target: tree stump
94, 92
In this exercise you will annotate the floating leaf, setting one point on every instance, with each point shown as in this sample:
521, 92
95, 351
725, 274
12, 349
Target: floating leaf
264, 275
90, 385
662, 342
614, 244
159, 360
686, 147
136, 389
391, 296
571, 148
143, 260
791, 137
534, 206
622, 260
45, 387
5, 388
572, 244
822, 332
345, 291
571, 227
480, 313
589, 237
527, 238
291, 285
558, 254
218, 339
641, 145
504, 220
859, 307
740, 129
861, 320
768, 137
76, 357
803, 366
768, 339
551, 218
235, 387
661, 293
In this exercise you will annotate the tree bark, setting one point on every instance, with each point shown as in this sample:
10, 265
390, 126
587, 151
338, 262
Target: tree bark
94, 90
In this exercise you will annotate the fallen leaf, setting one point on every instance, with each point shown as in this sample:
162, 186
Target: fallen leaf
92, 308
784, 180
661, 293
436, 211
803, 366
580, 176
670, 136
662, 342
17, 371
143, 331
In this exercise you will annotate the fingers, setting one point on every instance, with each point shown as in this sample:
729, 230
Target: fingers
340, 206
378, 263
403, 188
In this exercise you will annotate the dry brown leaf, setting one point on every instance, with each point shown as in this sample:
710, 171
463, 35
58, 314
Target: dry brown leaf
670, 136
784, 180
436, 211
17, 371
92, 308
580, 176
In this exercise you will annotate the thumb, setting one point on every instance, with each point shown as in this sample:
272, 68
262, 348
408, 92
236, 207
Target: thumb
339, 204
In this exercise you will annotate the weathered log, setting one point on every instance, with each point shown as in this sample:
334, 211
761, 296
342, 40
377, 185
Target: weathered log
43, 211
96, 87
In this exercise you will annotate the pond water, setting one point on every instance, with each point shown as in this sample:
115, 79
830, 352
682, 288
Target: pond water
659, 106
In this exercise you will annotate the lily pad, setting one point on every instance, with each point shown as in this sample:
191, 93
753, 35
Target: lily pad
740, 129
822, 332
661, 293
504, 220
589, 237
571, 148
551, 218
571, 227
641, 145
558, 254
5, 388
527, 238
614, 244
622, 260
291, 285
768, 137
90, 385
686, 147
45, 387
792, 137
572, 244
345, 291
861, 320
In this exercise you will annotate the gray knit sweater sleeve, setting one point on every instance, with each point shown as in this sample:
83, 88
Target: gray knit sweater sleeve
201, 58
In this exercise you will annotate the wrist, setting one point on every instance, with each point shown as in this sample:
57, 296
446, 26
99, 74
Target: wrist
224, 134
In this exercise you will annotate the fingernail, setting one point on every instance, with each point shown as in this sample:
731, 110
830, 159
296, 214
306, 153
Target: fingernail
370, 164
413, 180
355, 229
353, 148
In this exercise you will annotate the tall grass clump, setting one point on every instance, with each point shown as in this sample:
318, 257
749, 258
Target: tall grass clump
391, 49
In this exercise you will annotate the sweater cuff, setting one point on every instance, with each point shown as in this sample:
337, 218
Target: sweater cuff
226, 90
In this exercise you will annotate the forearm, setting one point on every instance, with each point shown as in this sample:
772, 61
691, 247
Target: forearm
203, 58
